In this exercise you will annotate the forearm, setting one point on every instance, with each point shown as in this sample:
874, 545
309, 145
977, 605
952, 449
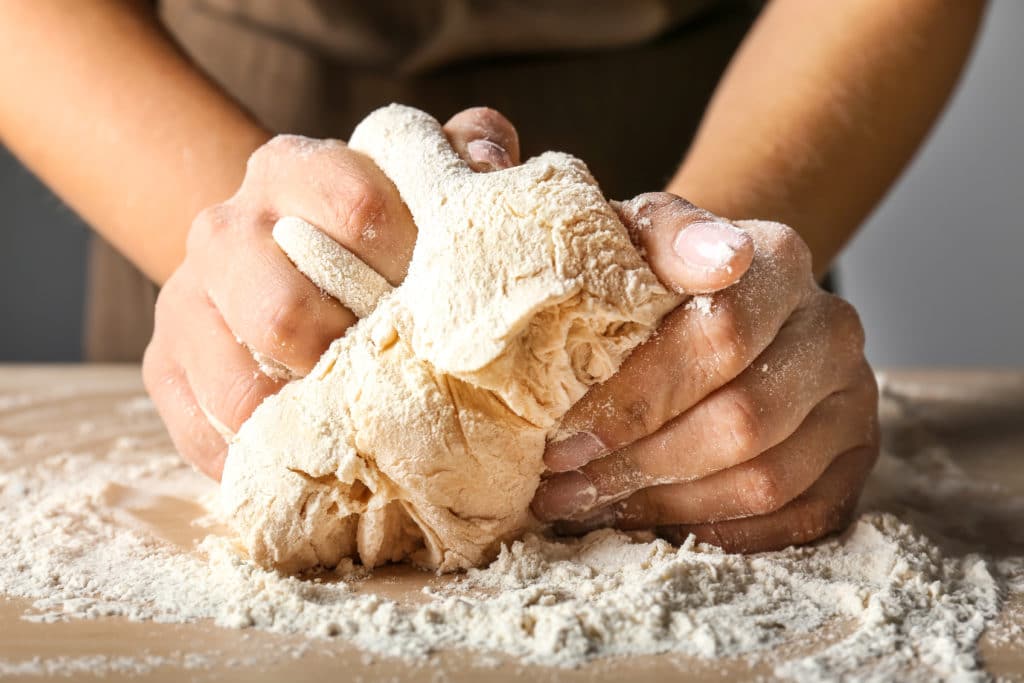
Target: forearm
822, 107
100, 104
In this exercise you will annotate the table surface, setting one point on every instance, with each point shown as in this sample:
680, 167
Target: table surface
977, 415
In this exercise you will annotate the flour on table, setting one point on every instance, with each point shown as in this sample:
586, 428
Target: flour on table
880, 602
100, 665
904, 604
419, 434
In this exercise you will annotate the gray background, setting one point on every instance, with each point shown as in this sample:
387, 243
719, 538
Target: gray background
42, 270
935, 272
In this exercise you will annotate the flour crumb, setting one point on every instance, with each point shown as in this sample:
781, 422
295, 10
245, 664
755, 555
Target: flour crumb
546, 601
703, 304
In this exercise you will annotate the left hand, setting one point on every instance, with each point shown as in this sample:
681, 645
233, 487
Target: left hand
749, 419
237, 318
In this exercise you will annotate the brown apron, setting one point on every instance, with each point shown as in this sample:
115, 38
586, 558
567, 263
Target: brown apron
620, 83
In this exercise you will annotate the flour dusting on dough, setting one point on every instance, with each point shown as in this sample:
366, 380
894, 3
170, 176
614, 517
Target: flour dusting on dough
419, 434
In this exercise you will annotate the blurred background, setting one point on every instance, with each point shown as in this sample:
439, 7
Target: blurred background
935, 272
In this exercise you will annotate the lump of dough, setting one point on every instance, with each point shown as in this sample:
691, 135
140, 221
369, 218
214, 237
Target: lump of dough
419, 435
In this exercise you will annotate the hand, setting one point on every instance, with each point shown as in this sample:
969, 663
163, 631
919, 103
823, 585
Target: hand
749, 419
237, 319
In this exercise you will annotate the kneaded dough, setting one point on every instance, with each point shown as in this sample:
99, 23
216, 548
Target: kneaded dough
419, 435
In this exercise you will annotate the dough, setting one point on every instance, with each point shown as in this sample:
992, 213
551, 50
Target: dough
419, 434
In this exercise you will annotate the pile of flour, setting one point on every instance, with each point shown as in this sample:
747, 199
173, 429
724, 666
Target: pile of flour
878, 602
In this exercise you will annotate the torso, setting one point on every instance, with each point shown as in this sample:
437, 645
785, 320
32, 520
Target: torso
619, 83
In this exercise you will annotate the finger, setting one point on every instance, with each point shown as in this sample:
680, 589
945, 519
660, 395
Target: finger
330, 266
339, 191
411, 148
225, 378
690, 250
826, 507
484, 138
265, 301
841, 422
193, 436
698, 348
758, 410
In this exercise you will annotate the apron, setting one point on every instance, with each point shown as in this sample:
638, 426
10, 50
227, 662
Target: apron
621, 84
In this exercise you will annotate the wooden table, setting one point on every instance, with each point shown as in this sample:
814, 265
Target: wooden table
979, 416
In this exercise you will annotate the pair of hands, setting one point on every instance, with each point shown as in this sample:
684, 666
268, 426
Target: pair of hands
749, 419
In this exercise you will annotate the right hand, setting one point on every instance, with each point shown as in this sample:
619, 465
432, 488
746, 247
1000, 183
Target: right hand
237, 297
749, 419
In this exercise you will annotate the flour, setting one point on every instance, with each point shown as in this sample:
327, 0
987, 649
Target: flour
879, 602
419, 435
100, 665
701, 303
336, 270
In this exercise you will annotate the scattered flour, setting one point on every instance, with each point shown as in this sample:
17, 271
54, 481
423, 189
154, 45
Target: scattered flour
523, 291
893, 598
701, 303
904, 607
100, 665
140, 405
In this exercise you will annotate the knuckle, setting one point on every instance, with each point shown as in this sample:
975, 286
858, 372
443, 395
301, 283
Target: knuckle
152, 366
859, 405
160, 375
208, 224
846, 323
782, 245
284, 146
793, 245
725, 335
162, 308
285, 143
865, 378
760, 492
264, 155
820, 517
872, 451
361, 208
240, 398
260, 164
643, 205
740, 414
167, 302
283, 317
766, 234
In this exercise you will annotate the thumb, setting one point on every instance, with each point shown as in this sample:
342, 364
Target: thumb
690, 250
484, 138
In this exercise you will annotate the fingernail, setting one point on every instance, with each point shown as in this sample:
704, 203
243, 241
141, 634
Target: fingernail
563, 496
574, 452
708, 246
488, 156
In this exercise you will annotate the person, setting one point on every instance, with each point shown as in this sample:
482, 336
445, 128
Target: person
749, 419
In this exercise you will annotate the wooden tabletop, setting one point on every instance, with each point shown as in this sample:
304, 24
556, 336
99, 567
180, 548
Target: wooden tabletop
976, 415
